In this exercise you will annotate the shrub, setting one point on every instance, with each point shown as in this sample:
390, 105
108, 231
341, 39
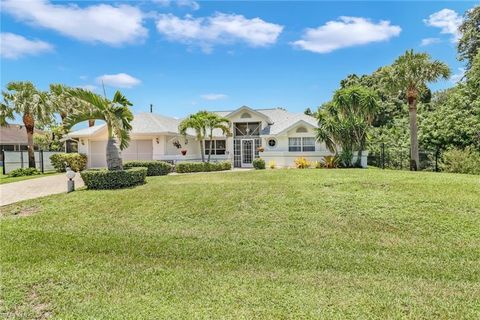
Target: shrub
259, 164
317, 164
272, 164
461, 161
330, 162
20, 172
154, 167
187, 167
113, 179
344, 159
76, 161
302, 163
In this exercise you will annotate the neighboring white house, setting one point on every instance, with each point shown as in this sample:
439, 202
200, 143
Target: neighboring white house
283, 135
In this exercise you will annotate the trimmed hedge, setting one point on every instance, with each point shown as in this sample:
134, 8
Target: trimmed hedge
76, 161
187, 167
20, 172
154, 167
258, 164
113, 179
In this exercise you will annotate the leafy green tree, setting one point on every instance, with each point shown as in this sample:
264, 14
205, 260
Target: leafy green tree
22, 98
197, 122
410, 74
214, 121
347, 120
469, 43
116, 114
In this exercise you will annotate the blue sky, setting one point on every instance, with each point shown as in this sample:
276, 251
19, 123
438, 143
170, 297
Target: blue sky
185, 56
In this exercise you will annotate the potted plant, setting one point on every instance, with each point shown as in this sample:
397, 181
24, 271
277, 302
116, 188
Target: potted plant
260, 149
183, 151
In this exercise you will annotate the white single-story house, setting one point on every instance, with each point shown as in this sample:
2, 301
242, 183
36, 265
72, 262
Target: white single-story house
283, 136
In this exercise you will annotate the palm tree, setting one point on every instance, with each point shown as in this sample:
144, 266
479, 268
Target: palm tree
116, 114
410, 74
358, 105
197, 122
24, 99
63, 103
345, 121
214, 121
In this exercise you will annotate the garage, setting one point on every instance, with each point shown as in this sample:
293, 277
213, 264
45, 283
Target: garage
137, 150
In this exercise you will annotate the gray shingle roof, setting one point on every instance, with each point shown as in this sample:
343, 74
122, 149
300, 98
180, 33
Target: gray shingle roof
151, 123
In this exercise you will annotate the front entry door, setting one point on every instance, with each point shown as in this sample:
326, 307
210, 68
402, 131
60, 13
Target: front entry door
247, 152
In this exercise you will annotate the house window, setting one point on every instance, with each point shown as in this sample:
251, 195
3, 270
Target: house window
301, 144
245, 115
302, 130
219, 147
272, 143
247, 129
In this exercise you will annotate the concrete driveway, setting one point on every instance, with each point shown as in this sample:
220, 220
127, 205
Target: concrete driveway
35, 188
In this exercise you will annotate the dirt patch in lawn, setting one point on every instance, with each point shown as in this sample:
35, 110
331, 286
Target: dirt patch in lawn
19, 211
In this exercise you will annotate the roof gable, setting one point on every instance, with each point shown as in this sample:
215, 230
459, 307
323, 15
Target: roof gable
250, 110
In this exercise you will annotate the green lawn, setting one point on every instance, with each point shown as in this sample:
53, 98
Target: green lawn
274, 244
6, 179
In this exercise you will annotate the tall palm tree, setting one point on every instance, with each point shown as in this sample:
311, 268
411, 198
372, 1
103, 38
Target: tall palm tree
24, 99
63, 103
214, 121
410, 74
358, 105
197, 122
116, 114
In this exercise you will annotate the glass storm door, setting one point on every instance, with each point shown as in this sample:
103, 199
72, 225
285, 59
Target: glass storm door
247, 153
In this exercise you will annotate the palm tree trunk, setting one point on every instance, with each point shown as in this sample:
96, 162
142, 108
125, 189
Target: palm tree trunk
114, 159
29, 123
412, 113
91, 122
210, 146
202, 151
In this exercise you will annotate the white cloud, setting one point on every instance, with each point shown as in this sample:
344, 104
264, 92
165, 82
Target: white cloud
346, 32
458, 76
180, 3
88, 87
13, 46
213, 96
112, 25
429, 41
218, 29
447, 20
119, 80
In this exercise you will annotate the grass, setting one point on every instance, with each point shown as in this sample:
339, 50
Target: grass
5, 178
272, 244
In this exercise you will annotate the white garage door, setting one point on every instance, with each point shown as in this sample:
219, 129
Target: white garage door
137, 150
98, 154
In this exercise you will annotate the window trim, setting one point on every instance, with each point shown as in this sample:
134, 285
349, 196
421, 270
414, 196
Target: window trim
215, 149
302, 145
268, 143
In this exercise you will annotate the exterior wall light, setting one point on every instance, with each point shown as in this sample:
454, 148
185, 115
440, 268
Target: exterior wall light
157, 140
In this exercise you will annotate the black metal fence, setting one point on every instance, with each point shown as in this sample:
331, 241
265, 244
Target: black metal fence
398, 157
19, 159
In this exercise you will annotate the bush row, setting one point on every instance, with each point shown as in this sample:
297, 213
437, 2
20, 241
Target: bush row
154, 167
461, 161
114, 179
76, 161
186, 167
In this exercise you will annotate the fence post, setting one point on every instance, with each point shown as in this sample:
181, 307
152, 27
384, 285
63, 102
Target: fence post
436, 159
3, 157
40, 154
383, 155
21, 159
